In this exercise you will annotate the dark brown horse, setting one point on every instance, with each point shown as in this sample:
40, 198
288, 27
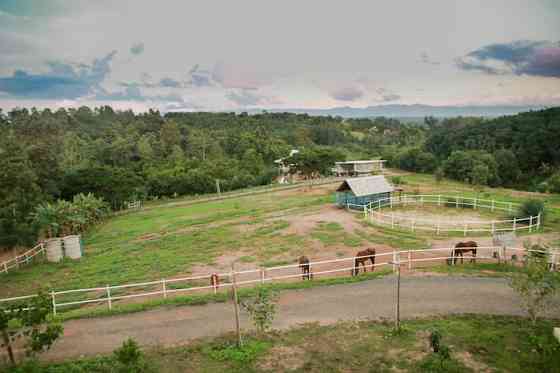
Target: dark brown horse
361, 258
462, 248
305, 268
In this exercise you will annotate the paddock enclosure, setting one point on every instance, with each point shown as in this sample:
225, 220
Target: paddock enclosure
387, 261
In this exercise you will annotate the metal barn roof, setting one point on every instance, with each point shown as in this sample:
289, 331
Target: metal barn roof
365, 186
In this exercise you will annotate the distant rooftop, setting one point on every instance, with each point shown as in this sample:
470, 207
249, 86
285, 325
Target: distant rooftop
370, 161
365, 186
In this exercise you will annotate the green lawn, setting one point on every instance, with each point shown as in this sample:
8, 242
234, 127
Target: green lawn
169, 239
476, 343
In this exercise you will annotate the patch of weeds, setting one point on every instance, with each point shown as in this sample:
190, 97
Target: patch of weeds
276, 263
247, 259
245, 354
434, 363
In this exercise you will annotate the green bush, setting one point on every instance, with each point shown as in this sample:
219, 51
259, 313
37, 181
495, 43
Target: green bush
531, 207
397, 180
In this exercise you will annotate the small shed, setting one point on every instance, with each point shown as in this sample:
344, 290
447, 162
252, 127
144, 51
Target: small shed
358, 192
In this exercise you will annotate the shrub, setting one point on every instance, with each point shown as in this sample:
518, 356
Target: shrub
397, 180
241, 355
531, 207
130, 358
261, 307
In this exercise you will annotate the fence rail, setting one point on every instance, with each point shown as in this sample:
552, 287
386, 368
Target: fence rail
372, 212
22, 259
164, 287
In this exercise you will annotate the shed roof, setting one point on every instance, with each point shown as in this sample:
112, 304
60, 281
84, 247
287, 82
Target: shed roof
365, 186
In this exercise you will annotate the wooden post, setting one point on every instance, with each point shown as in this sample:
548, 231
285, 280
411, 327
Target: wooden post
164, 287
493, 203
539, 220
379, 204
493, 227
109, 297
394, 261
514, 223
218, 187
456, 202
452, 256
474, 204
392, 220
236, 306
530, 223
263, 275
439, 200
391, 202
53, 302
409, 260
398, 300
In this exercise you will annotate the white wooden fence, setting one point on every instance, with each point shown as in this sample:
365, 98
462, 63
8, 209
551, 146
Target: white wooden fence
373, 213
200, 284
22, 259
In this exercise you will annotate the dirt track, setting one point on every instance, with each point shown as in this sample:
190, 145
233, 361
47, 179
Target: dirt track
420, 296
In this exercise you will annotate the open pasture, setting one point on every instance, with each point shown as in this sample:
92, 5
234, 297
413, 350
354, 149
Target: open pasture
255, 231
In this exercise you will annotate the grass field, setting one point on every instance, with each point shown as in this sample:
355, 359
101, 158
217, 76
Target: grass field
166, 240
477, 344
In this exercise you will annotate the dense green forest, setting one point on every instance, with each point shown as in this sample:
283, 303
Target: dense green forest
121, 156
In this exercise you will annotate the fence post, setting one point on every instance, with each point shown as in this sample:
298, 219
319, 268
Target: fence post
452, 256
493, 227
164, 287
465, 230
530, 223
539, 220
365, 212
263, 275
439, 200
391, 202
514, 223
409, 260
6, 267
235, 305
392, 220
108, 288
493, 203
53, 302
456, 202
474, 203
379, 204
394, 261
510, 207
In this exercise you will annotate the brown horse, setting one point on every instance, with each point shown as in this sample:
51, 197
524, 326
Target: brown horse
361, 258
305, 268
462, 248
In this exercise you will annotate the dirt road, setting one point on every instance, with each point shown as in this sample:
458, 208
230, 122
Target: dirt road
420, 296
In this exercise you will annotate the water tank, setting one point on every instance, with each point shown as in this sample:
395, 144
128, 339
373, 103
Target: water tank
72, 247
54, 250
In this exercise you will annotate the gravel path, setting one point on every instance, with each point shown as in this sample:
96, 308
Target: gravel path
420, 296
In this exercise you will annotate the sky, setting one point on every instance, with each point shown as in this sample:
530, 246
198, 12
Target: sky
183, 55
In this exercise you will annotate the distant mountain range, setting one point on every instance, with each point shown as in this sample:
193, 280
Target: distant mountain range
409, 111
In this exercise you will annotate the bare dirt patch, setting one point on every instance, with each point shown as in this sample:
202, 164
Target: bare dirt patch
303, 224
466, 358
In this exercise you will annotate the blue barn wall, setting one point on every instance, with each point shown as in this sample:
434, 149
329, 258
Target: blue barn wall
344, 198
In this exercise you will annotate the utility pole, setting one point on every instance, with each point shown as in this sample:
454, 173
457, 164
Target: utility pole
236, 306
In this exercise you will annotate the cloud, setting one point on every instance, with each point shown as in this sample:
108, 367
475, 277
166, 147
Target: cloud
137, 49
200, 77
170, 83
230, 76
133, 92
425, 58
245, 97
347, 93
61, 81
386, 95
521, 57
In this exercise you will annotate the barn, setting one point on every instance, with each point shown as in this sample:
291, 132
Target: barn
360, 191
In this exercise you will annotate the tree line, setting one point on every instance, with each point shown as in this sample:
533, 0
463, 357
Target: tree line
120, 156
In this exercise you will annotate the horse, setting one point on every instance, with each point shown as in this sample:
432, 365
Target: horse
215, 281
305, 268
361, 258
462, 248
